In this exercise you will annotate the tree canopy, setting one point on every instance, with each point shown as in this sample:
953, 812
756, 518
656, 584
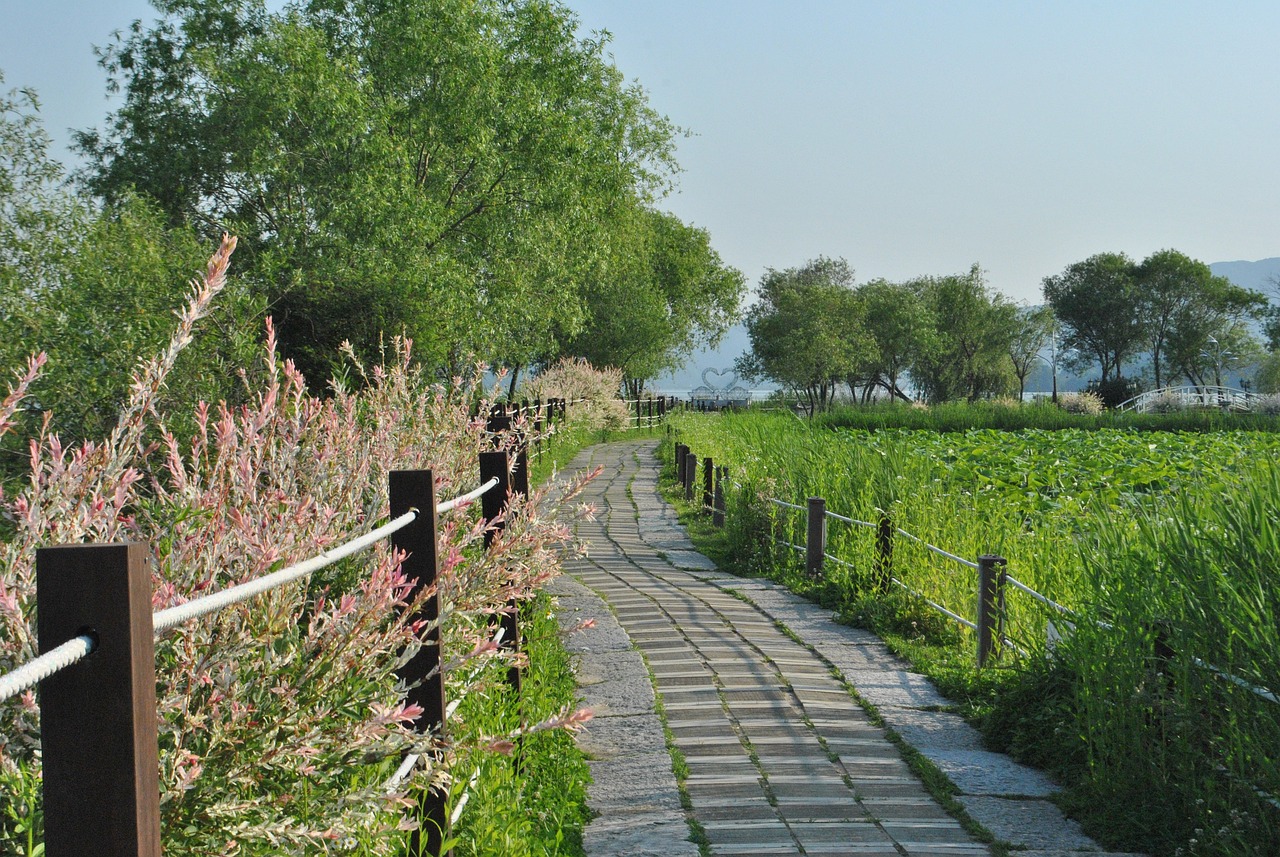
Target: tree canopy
447, 169
807, 330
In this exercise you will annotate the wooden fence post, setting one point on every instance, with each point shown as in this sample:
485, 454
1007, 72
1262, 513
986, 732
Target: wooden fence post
717, 517
690, 471
682, 452
884, 553
639, 415
815, 545
493, 503
98, 717
991, 581
649, 413
708, 485
424, 673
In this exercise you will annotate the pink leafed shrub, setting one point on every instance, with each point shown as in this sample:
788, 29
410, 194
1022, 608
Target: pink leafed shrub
593, 392
280, 718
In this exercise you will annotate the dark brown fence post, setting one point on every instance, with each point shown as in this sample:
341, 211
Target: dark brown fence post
495, 465
717, 517
884, 553
708, 485
690, 471
648, 408
98, 716
682, 452
639, 415
424, 673
815, 545
991, 580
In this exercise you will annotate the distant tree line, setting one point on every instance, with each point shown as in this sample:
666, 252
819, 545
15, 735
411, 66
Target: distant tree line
476, 176
1165, 319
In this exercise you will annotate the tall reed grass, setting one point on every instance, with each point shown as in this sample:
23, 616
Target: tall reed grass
1168, 539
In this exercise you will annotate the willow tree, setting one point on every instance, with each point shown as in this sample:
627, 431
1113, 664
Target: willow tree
429, 166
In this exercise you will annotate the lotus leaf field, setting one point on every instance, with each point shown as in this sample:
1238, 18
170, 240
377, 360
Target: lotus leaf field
1154, 706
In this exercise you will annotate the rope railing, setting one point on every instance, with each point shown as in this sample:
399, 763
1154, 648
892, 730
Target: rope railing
939, 551
40, 668
848, 520
59, 658
936, 606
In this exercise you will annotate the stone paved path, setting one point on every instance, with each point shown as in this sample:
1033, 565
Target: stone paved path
779, 757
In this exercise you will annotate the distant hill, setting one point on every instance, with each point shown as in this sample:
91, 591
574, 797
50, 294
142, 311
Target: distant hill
1260, 275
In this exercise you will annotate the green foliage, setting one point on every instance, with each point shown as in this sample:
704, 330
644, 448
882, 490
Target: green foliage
807, 330
664, 291
97, 291
1099, 302
1167, 538
973, 326
444, 169
901, 325
539, 809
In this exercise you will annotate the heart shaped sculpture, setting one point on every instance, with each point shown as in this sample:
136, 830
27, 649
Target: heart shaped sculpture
720, 375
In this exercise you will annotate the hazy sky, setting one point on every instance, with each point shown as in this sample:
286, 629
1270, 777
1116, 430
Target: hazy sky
908, 137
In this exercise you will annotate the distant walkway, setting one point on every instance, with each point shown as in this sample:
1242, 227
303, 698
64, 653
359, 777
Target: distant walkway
778, 757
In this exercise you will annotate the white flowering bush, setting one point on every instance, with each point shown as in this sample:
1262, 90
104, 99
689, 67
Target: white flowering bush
1080, 403
280, 718
592, 392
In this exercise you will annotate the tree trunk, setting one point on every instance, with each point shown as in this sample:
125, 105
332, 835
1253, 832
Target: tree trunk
515, 375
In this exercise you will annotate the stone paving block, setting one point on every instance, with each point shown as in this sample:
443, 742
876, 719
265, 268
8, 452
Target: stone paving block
1027, 823
932, 729
608, 737
639, 781
981, 772
640, 835
902, 689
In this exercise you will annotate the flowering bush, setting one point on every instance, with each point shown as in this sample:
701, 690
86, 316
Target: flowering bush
593, 392
280, 718
1269, 404
1080, 403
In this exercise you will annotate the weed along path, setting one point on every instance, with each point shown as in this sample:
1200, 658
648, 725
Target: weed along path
753, 743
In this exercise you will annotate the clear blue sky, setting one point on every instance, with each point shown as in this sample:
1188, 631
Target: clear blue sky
908, 137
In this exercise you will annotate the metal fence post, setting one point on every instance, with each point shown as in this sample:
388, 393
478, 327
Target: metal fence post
815, 545
884, 553
717, 517
708, 485
424, 672
991, 580
98, 717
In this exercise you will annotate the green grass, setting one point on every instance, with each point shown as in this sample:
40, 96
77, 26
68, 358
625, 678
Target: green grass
539, 807
961, 417
1169, 538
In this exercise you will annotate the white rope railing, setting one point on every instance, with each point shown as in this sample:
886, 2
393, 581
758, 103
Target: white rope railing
936, 549
786, 505
450, 505
59, 658
935, 605
1022, 587
1262, 692
848, 520
38, 669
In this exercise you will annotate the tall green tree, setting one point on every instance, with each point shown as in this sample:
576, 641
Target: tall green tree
968, 355
437, 167
1180, 293
1099, 303
1032, 329
1213, 335
901, 325
664, 292
807, 330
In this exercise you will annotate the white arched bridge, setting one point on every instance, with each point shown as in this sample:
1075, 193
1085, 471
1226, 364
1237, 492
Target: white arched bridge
1223, 398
